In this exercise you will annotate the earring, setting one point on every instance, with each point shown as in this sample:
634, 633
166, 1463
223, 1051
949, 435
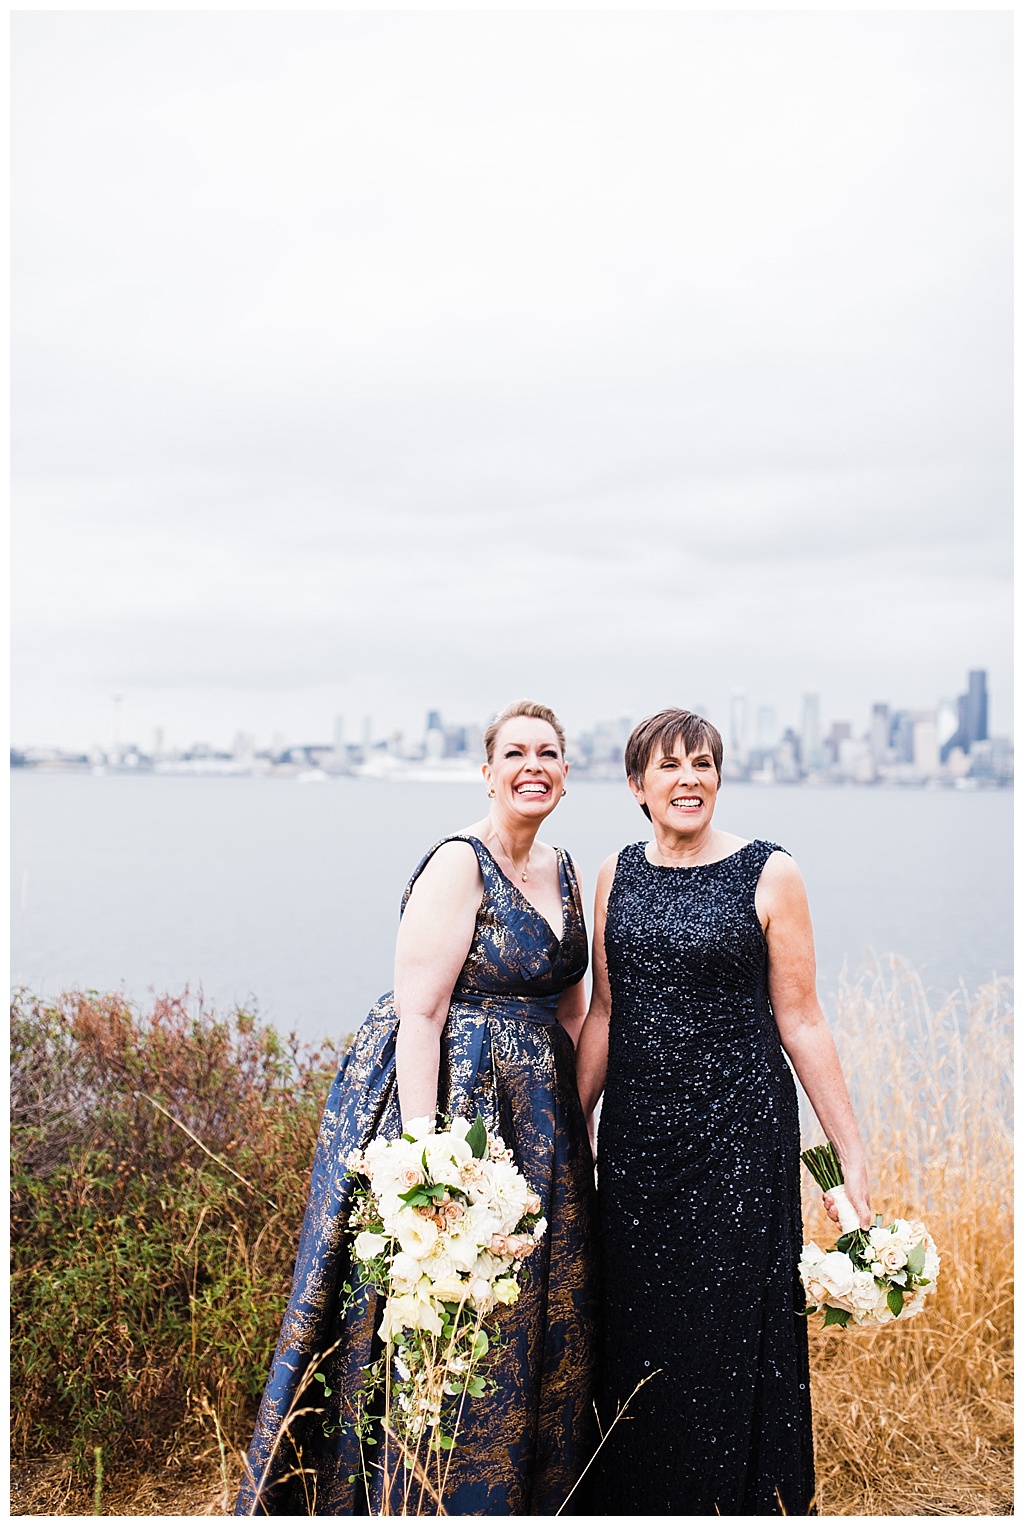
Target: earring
490, 794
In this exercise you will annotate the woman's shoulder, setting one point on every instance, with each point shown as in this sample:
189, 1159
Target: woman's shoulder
459, 854
451, 865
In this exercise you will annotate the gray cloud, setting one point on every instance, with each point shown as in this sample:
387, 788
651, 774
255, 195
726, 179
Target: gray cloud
370, 359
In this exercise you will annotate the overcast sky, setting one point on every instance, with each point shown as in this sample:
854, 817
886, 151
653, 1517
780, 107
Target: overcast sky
371, 362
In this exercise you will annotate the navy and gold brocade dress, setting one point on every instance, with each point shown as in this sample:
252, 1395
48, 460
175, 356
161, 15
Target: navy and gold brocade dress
521, 1449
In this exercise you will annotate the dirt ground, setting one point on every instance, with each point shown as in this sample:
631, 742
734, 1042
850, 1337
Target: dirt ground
41, 1486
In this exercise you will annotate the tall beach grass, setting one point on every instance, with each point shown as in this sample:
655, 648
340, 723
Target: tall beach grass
160, 1169
916, 1418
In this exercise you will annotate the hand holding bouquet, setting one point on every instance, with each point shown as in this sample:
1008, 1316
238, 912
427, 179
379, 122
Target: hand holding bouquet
444, 1224
871, 1275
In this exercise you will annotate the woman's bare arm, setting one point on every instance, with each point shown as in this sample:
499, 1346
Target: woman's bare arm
433, 940
782, 905
572, 1009
592, 1051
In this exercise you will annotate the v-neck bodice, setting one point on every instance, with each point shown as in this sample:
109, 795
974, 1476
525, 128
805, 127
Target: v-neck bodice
515, 950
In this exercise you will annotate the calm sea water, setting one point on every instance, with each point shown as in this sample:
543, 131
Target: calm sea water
287, 895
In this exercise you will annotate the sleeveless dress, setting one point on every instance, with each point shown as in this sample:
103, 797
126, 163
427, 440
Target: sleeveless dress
503, 1054
699, 1194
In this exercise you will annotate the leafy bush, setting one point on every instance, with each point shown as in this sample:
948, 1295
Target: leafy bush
149, 1278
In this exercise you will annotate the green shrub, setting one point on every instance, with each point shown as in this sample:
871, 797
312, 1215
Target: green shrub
148, 1279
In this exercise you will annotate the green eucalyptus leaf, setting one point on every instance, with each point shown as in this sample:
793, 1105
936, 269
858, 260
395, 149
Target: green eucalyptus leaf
477, 1137
915, 1260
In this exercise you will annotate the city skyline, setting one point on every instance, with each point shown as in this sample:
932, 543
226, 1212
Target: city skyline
949, 740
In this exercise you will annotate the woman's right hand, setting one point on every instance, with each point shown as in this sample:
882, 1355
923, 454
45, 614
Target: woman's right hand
856, 1184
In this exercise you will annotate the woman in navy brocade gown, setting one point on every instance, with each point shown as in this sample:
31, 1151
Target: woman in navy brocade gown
487, 1004
703, 977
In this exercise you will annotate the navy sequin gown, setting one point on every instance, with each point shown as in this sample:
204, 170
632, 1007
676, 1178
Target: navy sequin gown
504, 1055
699, 1192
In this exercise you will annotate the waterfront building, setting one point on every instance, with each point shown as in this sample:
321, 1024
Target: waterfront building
977, 706
926, 744
972, 714
810, 733
433, 738
901, 737
738, 724
879, 734
766, 730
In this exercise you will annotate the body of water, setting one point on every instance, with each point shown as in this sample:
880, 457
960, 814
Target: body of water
287, 895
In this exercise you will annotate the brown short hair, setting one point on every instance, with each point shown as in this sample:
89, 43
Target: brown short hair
666, 730
527, 707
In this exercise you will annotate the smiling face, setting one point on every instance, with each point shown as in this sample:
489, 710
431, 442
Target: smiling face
527, 770
679, 790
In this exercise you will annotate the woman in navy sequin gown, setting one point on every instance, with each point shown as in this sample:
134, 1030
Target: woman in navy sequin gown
491, 954
703, 977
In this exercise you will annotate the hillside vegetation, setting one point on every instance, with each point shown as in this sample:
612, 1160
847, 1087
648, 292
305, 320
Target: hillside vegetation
160, 1162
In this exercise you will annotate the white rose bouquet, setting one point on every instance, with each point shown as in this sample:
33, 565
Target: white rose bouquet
871, 1275
444, 1224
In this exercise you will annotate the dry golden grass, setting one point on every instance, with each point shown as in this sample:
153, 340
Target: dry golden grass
916, 1419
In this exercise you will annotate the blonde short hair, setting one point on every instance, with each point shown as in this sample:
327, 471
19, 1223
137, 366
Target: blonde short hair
527, 707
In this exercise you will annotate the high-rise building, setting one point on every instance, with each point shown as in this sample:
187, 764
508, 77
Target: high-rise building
926, 743
901, 736
977, 706
767, 727
972, 715
947, 716
434, 720
879, 734
810, 732
738, 722
339, 733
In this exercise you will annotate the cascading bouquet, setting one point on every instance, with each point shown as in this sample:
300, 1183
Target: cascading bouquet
444, 1223
871, 1275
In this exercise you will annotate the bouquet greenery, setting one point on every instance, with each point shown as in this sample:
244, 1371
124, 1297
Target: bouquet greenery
444, 1224
871, 1275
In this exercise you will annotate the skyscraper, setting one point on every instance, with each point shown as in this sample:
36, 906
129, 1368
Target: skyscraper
767, 727
972, 714
879, 733
810, 732
977, 706
738, 722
